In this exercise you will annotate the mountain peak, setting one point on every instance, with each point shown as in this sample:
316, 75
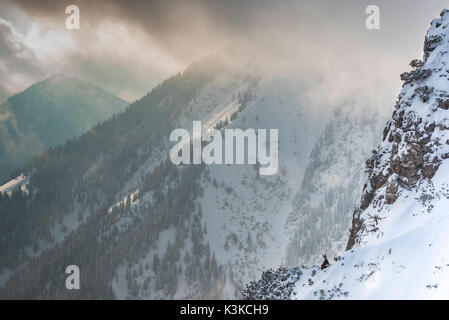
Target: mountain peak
48, 113
65, 83
61, 77
437, 35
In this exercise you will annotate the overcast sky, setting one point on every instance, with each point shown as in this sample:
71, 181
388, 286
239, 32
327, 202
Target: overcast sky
127, 47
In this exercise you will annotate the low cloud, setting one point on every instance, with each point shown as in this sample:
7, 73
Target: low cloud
18, 62
127, 47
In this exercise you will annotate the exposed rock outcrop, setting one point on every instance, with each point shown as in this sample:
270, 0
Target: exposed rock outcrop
412, 147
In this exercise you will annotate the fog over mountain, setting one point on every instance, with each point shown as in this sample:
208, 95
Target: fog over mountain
325, 39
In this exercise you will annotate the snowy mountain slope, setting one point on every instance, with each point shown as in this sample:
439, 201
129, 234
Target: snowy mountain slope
242, 212
245, 212
213, 103
397, 247
320, 220
126, 145
138, 226
245, 215
148, 185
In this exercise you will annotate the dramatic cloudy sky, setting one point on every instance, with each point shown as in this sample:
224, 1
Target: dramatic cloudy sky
127, 47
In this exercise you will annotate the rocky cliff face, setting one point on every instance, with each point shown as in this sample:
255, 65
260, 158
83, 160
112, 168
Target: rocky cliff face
398, 243
415, 139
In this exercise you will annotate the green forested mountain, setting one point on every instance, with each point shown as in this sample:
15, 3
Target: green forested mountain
47, 114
